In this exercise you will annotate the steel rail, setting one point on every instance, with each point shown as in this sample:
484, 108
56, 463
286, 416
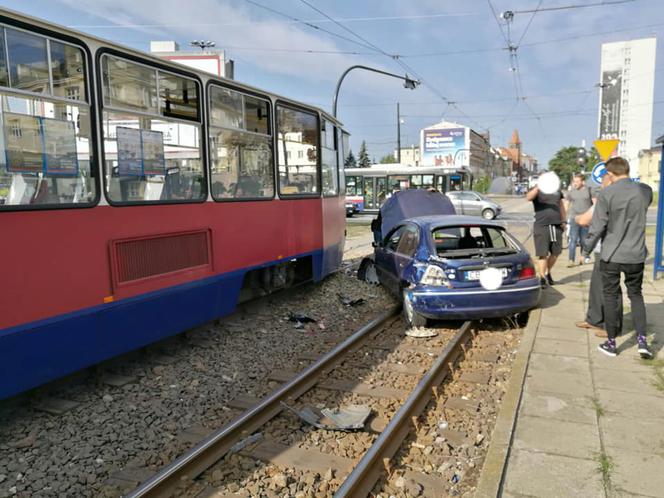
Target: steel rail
366, 473
209, 451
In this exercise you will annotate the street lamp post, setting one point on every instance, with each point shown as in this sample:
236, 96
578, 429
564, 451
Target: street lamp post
398, 135
408, 82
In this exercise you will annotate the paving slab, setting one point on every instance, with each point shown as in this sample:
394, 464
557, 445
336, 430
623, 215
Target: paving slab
565, 348
556, 437
558, 363
562, 407
626, 361
632, 405
563, 334
640, 381
546, 476
639, 435
636, 472
578, 383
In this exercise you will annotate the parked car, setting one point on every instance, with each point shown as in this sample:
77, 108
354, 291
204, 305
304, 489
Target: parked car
447, 266
474, 204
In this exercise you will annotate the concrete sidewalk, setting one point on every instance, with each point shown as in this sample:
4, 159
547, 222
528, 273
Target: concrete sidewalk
588, 425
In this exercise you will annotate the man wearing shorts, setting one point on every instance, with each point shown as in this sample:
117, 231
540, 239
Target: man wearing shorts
550, 218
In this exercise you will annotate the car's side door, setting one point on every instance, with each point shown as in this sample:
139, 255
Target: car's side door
472, 204
385, 257
405, 253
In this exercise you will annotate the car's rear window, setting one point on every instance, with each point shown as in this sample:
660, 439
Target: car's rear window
457, 241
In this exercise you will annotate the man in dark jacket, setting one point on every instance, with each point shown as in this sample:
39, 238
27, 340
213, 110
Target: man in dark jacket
619, 221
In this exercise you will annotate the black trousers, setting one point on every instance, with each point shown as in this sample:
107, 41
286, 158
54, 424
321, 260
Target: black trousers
596, 314
611, 273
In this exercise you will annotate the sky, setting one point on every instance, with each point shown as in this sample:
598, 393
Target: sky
457, 49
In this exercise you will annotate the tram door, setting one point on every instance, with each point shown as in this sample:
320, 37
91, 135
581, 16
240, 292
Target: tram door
375, 192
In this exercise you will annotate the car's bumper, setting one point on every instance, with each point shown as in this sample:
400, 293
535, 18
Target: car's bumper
469, 304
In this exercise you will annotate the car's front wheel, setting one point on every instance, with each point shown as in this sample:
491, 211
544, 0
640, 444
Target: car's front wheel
410, 316
488, 214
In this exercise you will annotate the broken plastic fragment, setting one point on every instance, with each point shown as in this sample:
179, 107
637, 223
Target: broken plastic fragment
242, 444
346, 301
421, 333
351, 417
300, 319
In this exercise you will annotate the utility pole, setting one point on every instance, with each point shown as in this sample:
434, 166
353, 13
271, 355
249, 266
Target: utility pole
398, 135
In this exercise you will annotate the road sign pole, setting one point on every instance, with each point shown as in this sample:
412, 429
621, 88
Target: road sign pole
659, 234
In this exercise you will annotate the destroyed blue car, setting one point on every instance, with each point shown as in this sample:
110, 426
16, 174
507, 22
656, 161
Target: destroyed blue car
446, 266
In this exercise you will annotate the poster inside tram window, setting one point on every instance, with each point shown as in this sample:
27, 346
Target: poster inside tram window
24, 147
130, 154
154, 161
60, 144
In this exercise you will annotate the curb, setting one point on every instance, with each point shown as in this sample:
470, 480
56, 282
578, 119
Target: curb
495, 463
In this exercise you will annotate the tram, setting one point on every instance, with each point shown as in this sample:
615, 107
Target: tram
140, 198
368, 188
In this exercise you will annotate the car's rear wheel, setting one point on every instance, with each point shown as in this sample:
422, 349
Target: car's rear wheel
488, 214
410, 316
367, 272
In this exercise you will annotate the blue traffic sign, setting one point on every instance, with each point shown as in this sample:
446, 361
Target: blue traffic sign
599, 170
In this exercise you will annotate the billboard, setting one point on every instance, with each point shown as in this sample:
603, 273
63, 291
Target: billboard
444, 147
609, 118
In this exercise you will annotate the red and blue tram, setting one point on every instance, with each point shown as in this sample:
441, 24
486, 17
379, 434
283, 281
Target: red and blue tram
140, 198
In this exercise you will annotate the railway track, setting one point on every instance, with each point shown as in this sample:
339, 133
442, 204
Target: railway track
401, 377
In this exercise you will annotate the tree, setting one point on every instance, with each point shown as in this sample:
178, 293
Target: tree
350, 161
566, 162
363, 160
388, 159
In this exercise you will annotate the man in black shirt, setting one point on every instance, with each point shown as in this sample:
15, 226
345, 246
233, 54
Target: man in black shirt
550, 218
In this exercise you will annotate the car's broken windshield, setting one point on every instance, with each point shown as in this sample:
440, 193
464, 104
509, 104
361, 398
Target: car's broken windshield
471, 241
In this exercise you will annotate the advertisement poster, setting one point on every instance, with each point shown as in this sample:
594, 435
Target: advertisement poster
130, 155
154, 161
23, 143
444, 147
609, 119
60, 142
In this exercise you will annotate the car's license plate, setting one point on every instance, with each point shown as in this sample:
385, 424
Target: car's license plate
475, 274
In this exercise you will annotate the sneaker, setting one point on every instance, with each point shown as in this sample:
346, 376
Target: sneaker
549, 279
586, 261
571, 264
608, 349
645, 351
543, 282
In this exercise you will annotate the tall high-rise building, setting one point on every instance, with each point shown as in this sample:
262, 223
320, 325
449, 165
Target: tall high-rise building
627, 87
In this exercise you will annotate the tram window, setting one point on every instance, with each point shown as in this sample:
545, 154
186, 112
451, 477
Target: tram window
67, 69
128, 85
329, 160
257, 115
45, 141
241, 160
353, 185
4, 75
226, 108
297, 131
28, 61
150, 153
177, 97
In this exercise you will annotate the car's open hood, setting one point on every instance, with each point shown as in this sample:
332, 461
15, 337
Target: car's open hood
411, 203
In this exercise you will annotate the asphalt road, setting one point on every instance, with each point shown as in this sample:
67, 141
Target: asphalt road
515, 209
